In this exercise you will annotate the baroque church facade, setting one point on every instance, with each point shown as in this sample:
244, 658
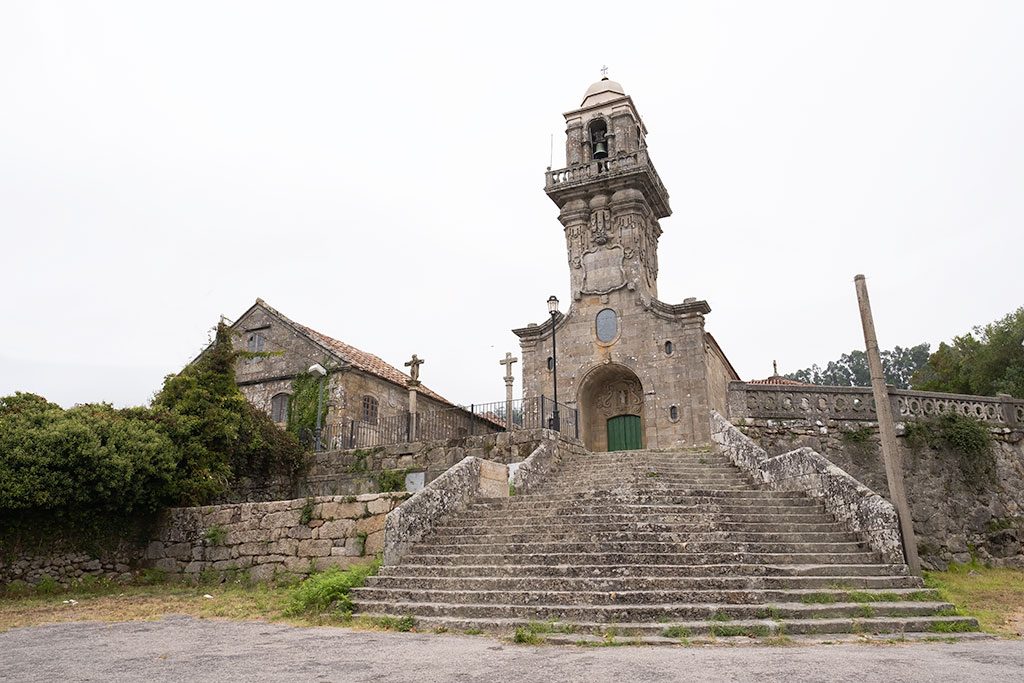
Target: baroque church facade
641, 372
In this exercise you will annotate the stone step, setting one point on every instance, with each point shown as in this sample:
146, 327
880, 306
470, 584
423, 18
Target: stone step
542, 582
673, 516
523, 567
627, 547
646, 470
653, 472
734, 486
619, 632
653, 485
574, 535
668, 612
632, 524
426, 556
675, 497
740, 603
637, 503
747, 512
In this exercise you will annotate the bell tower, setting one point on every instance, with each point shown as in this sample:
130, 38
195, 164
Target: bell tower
609, 196
634, 371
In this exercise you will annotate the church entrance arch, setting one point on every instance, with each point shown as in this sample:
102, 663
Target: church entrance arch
611, 402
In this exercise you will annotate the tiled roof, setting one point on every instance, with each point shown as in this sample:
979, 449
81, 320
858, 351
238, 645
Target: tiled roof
779, 380
361, 360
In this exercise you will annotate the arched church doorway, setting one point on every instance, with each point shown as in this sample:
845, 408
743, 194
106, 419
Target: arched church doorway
611, 402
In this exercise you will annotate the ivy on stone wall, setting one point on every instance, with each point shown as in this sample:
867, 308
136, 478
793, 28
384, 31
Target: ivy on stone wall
968, 439
302, 406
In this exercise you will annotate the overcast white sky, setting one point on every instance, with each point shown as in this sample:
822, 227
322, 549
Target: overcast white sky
375, 171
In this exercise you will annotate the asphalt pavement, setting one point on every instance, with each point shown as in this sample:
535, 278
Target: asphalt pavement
187, 649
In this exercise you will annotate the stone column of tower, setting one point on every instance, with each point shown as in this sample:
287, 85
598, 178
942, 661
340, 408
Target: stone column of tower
641, 372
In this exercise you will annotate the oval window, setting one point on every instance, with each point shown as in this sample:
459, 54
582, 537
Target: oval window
607, 325
551, 363
673, 413
668, 348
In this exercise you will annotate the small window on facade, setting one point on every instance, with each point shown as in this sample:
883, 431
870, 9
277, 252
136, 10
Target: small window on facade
256, 342
673, 413
607, 325
370, 409
668, 348
279, 408
551, 363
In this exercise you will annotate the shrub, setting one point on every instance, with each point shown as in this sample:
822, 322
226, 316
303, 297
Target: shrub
327, 591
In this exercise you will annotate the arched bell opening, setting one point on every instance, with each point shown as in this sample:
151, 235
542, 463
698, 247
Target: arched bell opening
611, 403
598, 131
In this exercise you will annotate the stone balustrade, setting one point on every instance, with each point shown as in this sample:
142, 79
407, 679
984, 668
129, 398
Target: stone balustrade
623, 163
814, 403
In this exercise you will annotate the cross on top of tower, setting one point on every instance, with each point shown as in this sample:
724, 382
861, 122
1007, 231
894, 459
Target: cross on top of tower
604, 71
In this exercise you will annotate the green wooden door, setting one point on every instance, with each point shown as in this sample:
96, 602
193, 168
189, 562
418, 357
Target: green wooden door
624, 433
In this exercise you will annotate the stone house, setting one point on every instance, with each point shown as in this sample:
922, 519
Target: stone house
642, 373
360, 388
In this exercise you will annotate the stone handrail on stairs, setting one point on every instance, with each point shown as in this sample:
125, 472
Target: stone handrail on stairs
853, 504
471, 478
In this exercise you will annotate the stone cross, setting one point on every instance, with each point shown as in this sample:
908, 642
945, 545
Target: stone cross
414, 369
507, 362
414, 381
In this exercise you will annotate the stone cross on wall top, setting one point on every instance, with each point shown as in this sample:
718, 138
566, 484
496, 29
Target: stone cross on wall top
414, 369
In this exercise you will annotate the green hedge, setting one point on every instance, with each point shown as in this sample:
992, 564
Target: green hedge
94, 462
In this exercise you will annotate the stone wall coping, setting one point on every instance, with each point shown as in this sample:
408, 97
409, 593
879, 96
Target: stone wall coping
854, 505
292, 502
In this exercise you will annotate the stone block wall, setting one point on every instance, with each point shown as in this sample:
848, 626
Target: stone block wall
953, 517
67, 566
358, 471
266, 539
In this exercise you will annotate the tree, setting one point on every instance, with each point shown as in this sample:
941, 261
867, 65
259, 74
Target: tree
220, 434
984, 362
851, 369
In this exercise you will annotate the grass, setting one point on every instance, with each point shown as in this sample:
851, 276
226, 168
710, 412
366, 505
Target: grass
994, 596
676, 632
727, 630
533, 633
320, 599
327, 591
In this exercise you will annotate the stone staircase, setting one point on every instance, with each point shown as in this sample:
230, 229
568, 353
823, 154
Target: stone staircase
653, 546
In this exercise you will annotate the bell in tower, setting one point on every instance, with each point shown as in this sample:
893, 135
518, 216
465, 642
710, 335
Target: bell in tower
599, 139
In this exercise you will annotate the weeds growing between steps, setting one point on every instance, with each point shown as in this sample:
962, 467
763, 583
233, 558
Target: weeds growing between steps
995, 596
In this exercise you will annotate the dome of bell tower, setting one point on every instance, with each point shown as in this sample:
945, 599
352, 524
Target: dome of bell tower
604, 90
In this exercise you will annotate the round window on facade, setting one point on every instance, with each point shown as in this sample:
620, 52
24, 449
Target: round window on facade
607, 325
673, 413
668, 348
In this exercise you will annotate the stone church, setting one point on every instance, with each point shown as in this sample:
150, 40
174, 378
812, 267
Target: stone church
641, 372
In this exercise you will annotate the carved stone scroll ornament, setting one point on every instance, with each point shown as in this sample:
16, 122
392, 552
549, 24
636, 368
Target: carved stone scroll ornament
620, 397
